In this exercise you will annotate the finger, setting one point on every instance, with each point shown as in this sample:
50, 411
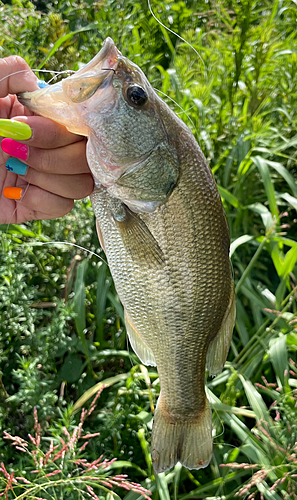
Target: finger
67, 160
41, 202
16, 76
46, 133
68, 186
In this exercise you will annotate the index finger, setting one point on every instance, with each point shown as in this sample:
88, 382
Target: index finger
16, 76
46, 133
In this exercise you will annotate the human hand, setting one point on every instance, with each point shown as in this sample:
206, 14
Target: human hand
52, 169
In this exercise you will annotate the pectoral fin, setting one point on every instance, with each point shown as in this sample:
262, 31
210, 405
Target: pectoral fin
138, 345
219, 347
138, 240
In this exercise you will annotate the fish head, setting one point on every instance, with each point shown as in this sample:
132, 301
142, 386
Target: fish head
112, 103
69, 101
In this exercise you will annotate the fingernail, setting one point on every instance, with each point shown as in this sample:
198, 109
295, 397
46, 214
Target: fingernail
16, 166
14, 148
13, 193
15, 130
41, 84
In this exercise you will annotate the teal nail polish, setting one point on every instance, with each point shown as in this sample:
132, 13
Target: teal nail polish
42, 84
16, 166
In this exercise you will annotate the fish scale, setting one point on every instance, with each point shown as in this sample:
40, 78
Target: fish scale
162, 225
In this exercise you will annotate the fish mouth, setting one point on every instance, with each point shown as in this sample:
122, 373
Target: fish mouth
65, 101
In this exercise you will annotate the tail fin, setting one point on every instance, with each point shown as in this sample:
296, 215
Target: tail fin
187, 442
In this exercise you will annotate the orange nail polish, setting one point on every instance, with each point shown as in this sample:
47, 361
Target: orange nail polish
13, 193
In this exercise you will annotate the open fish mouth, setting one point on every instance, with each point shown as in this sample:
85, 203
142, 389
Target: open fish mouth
64, 101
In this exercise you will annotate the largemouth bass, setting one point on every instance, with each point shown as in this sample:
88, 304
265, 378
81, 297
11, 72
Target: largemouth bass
163, 228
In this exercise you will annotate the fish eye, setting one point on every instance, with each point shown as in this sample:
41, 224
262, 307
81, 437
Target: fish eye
136, 95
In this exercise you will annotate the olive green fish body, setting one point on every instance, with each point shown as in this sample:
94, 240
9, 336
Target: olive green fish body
177, 304
161, 222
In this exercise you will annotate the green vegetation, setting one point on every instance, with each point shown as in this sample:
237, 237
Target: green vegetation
62, 332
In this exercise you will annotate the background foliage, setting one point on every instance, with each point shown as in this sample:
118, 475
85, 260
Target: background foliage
61, 323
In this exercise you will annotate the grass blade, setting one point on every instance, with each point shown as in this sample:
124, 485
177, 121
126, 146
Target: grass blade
93, 390
79, 304
279, 359
268, 185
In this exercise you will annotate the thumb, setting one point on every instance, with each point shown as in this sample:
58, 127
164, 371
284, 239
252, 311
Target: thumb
16, 76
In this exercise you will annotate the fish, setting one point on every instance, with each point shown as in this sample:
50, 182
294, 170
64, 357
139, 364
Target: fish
163, 228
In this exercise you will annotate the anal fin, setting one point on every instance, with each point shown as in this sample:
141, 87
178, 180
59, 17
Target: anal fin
100, 236
219, 347
144, 353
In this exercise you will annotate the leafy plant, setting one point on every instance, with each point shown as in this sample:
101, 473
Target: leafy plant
60, 470
62, 332
273, 463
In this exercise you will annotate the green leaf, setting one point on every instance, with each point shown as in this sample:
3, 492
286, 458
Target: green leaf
285, 144
285, 174
212, 487
290, 199
79, 305
261, 163
242, 322
263, 211
226, 195
267, 492
218, 406
279, 358
162, 486
255, 399
15, 229
119, 464
71, 369
239, 241
146, 449
117, 305
289, 261
243, 432
105, 384
103, 285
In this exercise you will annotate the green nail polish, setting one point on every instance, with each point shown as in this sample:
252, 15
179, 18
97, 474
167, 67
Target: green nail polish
15, 130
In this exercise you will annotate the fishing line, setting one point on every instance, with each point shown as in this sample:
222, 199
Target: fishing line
15, 73
40, 243
37, 70
180, 107
53, 71
196, 52
177, 35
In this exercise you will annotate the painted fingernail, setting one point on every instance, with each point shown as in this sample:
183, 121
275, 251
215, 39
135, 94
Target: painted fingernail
15, 130
41, 84
15, 148
16, 166
13, 193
